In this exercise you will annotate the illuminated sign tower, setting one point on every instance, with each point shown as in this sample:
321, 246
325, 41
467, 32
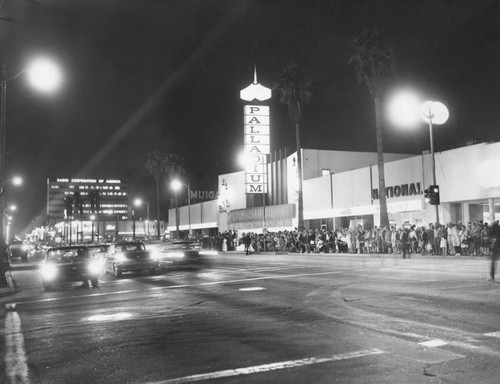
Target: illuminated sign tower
256, 136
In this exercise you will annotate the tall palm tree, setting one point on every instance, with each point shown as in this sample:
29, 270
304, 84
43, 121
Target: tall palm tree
160, 164
156, 164
293, 86
373, 62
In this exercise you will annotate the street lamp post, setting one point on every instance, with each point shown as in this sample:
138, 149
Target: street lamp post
44, 76
133, 224
404, 110
176, 185
434, 112
92, 218
138, 202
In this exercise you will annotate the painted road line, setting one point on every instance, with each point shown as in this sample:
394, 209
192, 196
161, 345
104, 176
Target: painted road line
16, 362
492, 334
235, 281
252, 289
270, 367
434, 343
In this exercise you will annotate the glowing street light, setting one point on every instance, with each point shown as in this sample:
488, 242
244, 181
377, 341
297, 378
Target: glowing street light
44, 75
177, 185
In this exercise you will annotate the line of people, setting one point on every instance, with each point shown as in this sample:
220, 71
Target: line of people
473, 239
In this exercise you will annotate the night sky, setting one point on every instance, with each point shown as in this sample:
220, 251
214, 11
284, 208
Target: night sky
162, 74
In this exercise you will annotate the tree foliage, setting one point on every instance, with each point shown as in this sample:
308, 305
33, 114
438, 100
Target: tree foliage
372, 59
293, 87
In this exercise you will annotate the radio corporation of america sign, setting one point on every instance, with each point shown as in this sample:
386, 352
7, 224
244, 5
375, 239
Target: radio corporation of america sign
257, 147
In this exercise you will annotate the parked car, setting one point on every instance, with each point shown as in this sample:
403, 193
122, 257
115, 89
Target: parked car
71, 263
183, 253
130, 256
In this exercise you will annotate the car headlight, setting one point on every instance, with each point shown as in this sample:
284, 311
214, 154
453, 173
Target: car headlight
95, 267
176, 255
120, 257
48, 271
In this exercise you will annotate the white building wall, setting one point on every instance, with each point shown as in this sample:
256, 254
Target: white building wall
351, 189
317, 197
314, 161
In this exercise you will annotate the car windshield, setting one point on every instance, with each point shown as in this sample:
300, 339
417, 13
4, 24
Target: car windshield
180, 246
66, 253
131, 247
98, 250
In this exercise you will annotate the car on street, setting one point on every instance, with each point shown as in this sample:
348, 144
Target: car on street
183, 253
71, 263
130, 256
19, 250
37, 252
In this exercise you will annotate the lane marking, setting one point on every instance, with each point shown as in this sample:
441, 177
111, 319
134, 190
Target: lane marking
492, 334
177, 287
270, 367
251, 289
434, 343
16, 362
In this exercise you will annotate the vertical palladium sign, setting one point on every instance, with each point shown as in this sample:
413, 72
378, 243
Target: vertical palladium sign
257, 147
256, 136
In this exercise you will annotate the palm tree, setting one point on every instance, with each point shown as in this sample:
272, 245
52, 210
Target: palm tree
293, 86
373, 62
156, 165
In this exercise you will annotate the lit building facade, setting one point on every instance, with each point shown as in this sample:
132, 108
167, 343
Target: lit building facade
113, 196
341, 191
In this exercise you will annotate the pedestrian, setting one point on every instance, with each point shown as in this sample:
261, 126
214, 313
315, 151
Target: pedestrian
405, 234
247, 240
495, 247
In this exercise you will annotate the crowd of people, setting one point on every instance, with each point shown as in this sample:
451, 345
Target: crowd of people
473, 239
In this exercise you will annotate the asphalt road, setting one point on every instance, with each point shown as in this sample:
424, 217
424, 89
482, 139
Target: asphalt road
262, 319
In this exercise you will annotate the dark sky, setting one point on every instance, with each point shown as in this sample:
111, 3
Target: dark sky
164, 74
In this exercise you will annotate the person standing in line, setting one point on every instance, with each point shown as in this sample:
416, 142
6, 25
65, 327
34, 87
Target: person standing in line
438, 233
495, 247
476, 239
485, 240
444, 240
429, 247
247, 240
404, 242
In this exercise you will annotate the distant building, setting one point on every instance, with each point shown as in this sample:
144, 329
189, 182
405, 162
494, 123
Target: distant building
113, 198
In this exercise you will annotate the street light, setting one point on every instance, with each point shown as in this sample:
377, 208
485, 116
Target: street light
44, 76
92, 218
405, 109
177, 185
139, 202
434, 112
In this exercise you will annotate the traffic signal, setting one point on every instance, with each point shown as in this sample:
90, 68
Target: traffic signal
427, 195
431, 195
434, 195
